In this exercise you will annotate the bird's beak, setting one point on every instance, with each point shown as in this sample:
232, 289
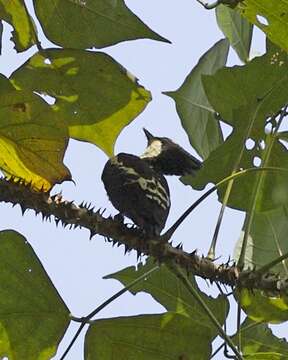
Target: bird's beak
149, 136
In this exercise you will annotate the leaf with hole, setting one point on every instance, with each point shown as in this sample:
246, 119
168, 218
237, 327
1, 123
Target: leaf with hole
94, 94
246, 97
271, 16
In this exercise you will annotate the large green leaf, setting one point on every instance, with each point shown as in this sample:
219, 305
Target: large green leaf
271, 16
15, 13
33, 139
33, 317
94, 94
149, 337
90, 23
233, 87
237, 29
169, 291
266, 242
259, 343
245, 97
196, 114
267, 239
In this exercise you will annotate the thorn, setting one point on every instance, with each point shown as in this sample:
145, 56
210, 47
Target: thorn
23, 209
92, 233
138, 254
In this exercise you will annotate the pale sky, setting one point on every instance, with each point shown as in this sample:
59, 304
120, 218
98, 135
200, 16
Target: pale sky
75, 264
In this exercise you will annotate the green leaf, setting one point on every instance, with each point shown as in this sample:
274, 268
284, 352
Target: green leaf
196, 114
148, 337
169, 291
33, 138
237, 29
271, 16
15, 13
246, 97
258, 342
231, 88
267, 240
94, 94
33, 317
263, 308
90, 23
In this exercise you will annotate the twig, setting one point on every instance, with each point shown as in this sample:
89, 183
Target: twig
179, 273
87, 318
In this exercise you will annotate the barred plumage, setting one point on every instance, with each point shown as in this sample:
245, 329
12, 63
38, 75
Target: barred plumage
137, 191
136, 186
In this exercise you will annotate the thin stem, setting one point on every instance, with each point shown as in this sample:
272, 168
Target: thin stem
262, 270
211, 252
217, 350
180, 274
167, 236
87, 318
257, 186
238, 326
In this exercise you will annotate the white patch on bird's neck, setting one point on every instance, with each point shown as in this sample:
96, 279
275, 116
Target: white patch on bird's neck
153, 150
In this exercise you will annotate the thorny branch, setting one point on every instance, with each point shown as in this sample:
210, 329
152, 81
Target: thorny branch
69, 214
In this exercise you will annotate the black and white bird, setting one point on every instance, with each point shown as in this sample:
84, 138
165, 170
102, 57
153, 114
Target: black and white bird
136, 186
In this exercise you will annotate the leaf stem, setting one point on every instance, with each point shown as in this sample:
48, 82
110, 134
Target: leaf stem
180, 274
86, 320
262, 270
167, 236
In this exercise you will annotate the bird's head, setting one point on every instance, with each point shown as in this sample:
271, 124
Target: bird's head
169, 158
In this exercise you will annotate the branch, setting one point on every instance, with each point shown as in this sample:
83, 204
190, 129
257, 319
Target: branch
118, 234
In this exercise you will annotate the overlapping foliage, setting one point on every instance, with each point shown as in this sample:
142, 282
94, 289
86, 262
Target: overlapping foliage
87, 95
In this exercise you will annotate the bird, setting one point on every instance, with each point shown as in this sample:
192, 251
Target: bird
136, 185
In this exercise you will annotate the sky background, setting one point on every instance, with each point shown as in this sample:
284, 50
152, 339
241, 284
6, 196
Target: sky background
75, 264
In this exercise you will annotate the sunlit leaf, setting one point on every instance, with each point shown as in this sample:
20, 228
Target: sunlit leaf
94, 94
271, 16
196, 114
263, 308
237, 29
259, 343
33, 139
33, 317
84, 24
148, 337
15, 13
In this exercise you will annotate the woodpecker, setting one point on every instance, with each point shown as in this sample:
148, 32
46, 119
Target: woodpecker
136, 186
